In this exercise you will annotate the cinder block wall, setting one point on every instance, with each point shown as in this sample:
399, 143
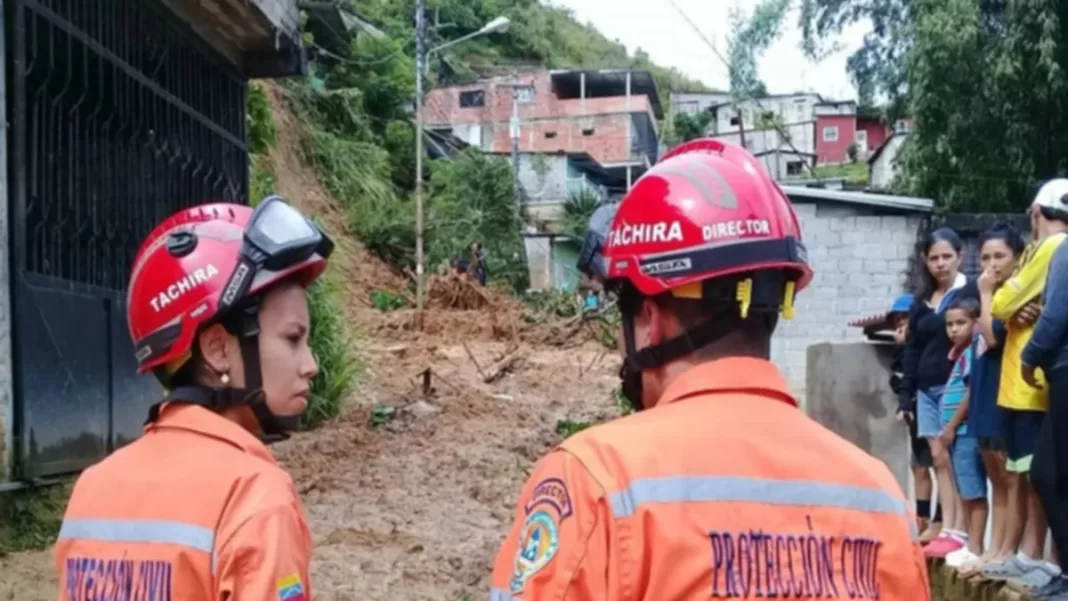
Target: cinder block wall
860, 261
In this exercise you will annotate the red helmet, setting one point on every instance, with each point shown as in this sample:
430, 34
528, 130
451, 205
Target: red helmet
707, 210
706, 222
197, 256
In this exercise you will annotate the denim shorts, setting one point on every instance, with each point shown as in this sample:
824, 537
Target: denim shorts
968, 468
929, 412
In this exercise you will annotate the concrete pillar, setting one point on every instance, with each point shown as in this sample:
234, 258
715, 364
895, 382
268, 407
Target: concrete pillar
848, 390
7, 400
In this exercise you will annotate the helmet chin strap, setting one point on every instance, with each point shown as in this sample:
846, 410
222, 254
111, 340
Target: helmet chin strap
767, 289
274, 428
658, 355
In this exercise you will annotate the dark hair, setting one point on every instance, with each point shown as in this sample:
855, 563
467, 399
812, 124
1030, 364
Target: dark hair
1054, 214
1005, 232
942, 234
969, 305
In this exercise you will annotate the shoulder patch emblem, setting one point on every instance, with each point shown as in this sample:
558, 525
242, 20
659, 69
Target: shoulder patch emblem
539, 538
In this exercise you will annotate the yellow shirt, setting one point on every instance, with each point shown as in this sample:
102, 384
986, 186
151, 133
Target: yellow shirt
1024, 286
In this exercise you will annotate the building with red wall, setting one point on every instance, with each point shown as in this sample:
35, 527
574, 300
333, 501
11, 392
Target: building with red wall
610, 115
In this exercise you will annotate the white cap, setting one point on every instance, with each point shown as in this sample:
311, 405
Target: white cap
1053, 195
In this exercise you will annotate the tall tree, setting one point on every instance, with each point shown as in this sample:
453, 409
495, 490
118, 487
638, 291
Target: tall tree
750, 38
984, 81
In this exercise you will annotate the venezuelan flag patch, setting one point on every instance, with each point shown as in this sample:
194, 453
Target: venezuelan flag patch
290, 588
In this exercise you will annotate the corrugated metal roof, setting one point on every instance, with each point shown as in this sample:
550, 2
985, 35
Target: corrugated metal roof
871, 199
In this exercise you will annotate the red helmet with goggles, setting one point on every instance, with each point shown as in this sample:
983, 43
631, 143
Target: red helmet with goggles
707, 222
209, 264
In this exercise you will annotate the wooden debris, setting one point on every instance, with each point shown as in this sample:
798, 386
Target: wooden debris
502, 367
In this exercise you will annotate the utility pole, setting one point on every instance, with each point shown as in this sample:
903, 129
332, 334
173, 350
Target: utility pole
741, 128
515, 130
420, 68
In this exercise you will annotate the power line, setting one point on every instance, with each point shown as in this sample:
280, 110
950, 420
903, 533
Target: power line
746, 95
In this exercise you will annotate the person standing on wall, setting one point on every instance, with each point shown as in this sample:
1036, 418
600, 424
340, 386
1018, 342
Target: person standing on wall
197, 508
999, 248
926, 370
1025, 406
718, 485
920, 459
1047, 353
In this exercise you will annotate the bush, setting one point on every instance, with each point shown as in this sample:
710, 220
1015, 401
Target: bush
330, 342
30, 518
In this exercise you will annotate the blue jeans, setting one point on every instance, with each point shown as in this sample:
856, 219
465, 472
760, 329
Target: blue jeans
929, 412
968, 468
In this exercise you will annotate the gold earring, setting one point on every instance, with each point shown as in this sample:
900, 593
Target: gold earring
225, 378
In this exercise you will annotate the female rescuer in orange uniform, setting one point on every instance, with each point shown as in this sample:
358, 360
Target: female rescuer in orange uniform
197, 508
718, 486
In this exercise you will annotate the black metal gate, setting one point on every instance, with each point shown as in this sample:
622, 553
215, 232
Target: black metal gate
118, 115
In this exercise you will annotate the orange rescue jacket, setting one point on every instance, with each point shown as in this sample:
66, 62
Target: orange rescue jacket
723, 489
196, 509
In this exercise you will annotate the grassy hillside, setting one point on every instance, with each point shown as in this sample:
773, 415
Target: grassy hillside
541, 34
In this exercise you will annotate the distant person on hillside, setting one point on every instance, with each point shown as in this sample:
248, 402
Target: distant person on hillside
717, 485
1025, 405
926, 370
198, 508
478, 263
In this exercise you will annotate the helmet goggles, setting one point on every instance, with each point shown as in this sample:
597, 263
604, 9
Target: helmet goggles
277, 238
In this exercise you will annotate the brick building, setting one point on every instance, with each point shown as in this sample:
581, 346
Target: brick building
609, 115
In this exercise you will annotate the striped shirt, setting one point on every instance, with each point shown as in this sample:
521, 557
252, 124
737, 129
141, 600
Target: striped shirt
956, 388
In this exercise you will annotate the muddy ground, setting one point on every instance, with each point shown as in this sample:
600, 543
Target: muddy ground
413, 508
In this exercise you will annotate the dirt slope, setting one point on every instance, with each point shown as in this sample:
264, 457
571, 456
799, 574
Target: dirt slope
414, 508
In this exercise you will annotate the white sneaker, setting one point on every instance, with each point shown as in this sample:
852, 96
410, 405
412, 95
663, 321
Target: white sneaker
960, 557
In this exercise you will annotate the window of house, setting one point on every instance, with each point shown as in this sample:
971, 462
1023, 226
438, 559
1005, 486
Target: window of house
549, 135
830, 133
734, 121
472, 99
524, 95
795, 167
901, 126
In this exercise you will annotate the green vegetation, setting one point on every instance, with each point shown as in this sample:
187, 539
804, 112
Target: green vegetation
854, 173
30, 518
983, 81
330, 339
359, 130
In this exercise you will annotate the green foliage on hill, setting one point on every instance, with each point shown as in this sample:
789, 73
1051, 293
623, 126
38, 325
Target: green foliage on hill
355, 109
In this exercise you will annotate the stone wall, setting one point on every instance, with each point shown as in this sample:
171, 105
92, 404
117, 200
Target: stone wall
860, 262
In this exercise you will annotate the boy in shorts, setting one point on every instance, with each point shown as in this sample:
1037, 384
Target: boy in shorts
968, 471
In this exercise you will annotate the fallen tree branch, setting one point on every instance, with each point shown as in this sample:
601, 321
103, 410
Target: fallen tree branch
502, 367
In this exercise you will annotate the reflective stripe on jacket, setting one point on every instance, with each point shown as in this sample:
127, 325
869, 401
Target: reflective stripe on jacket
196, 509
723, 489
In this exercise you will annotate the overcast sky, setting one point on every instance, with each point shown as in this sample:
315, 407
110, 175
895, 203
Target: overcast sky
657, 28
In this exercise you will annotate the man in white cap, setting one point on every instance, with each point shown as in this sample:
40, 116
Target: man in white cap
1047, 351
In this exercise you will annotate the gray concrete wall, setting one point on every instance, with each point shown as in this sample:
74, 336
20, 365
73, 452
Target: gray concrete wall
545, 187
849, 393
859, 262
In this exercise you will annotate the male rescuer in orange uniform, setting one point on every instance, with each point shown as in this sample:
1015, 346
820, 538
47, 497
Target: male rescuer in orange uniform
197, 508
718, 486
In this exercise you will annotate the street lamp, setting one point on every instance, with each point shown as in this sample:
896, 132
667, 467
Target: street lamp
498, 25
